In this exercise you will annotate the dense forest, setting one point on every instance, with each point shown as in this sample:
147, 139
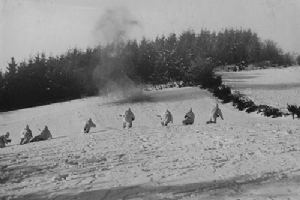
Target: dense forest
189, 57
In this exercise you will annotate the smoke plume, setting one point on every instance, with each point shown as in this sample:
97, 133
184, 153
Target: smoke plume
113, 29
115, 26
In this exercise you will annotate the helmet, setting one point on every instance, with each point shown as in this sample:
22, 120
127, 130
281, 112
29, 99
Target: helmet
7, 134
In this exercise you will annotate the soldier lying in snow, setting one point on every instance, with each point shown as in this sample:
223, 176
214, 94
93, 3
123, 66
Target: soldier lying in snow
215, 113
189, 118
88, 125
45, 135
166, 118
4, 139
26, 135
128, 117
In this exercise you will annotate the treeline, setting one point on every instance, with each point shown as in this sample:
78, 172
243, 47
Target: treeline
188, 57
243, 102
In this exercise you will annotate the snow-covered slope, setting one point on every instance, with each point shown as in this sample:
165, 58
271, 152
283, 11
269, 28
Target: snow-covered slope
217, 161
275, 87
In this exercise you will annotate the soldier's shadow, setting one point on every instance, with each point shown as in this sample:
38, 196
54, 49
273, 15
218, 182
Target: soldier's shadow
59, 137
98, 131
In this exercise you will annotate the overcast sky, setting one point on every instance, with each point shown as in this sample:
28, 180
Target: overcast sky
53, 26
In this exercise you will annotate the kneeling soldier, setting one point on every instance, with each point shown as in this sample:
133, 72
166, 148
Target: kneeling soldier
26, 135
189, 118
88, 125
4, 139
166, 118
45, 135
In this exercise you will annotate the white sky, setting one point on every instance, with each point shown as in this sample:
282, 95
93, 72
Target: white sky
53, 26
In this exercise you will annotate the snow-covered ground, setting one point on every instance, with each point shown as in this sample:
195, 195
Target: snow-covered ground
246, 156
275, 87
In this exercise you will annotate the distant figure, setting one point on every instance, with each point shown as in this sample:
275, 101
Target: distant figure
45, 135
128, 117
4, 139
166, 118
215, 113
189, 118
88, 125
26, 135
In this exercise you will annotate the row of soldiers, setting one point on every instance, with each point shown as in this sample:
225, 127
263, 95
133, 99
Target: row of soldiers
166, 118
27, 137
128, 118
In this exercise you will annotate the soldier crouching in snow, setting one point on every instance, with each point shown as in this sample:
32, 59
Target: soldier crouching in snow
189, 118
128, 117
166, 118
88, 125
215, 113
26, 135
45, 135
4, 139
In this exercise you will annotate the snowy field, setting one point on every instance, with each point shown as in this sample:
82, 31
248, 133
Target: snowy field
244, 157
275, 87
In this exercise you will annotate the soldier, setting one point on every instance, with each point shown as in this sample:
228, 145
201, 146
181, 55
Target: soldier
166, 118
45, 135
189, 118
26, 135
88, 125
4, 139
128, 117
215, 113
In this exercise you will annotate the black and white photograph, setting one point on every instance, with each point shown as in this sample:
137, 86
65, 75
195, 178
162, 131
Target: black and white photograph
150, 100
